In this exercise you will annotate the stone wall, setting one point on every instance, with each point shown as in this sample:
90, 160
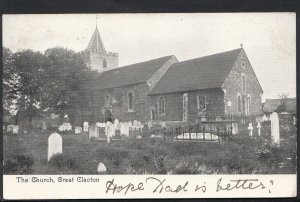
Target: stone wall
174, 105
119, 106
233, 86
96, 60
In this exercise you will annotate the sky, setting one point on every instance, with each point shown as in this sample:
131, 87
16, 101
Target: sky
269, 39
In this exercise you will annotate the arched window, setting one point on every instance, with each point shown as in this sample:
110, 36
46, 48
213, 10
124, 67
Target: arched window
152, 114
185, 107
130, 101
248, 105
104, 63
244, 83
201, 102
161, 106
239, 103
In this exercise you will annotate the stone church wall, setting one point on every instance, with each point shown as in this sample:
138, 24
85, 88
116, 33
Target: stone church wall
174, 105
233, 86
119, 105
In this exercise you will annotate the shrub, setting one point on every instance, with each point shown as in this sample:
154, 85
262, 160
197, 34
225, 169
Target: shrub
63, 161
19, 164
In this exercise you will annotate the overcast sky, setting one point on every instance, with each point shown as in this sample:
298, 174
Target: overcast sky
269, 39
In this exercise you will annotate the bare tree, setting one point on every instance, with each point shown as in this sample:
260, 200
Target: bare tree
283, 99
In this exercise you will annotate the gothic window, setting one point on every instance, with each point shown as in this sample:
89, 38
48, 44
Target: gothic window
239, 101
185, 107
152, 114
104, 63
161, 106
201, 102
248, 105
244, 83
130, 101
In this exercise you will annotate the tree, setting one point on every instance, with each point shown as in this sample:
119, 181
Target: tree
67, 77
9, 80
283, 100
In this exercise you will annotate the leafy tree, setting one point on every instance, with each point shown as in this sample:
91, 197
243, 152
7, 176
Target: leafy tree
9, 80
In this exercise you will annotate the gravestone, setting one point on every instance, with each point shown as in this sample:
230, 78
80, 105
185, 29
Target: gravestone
150, 124
258, 128
135, 124
54, 145
116, 122
130, 124
85, 126
163, 124
44, 126
126, 129
101, 168
67, 126
275, 134
16, 129
250, 128
294, 120
10, 128
110, 130
93, 131
78, 129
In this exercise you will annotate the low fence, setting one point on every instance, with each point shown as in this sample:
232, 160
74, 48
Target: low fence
196, 132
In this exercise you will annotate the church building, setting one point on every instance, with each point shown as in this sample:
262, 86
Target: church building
164, 89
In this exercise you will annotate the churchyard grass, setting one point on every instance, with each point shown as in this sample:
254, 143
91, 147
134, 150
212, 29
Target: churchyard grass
243, 155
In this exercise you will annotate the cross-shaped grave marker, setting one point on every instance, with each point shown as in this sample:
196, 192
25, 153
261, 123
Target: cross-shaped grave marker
258, 128
250, 128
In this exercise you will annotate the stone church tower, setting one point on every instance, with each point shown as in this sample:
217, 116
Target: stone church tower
97, 57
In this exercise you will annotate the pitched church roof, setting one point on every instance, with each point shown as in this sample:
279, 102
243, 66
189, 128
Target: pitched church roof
199, 73
131, 74
96, 43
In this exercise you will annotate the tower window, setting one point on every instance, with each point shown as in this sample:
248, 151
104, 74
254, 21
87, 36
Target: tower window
104, 64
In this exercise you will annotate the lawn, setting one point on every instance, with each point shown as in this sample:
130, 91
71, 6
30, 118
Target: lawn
239, 155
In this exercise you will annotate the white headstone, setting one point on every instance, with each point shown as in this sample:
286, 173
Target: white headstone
116, 122
126, 129
130, 124
16, 129
67, 126
10, 128
101, 168
258, 128
139, 124
150, 124
139, 137
294, 120
135, 124
163, 124
93, 131
78, 129
110, 130
54, 145
275, 135
85, 126
250, 128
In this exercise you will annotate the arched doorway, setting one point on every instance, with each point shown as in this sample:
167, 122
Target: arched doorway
108, 116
